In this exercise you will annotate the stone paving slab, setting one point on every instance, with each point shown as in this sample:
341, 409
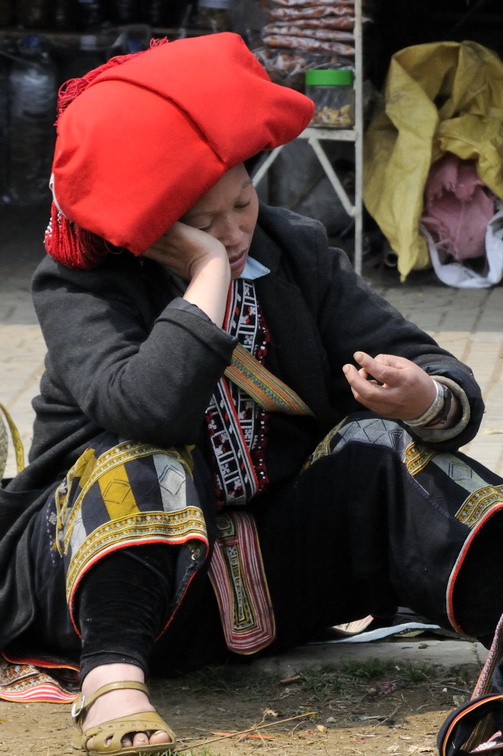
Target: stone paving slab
438, 653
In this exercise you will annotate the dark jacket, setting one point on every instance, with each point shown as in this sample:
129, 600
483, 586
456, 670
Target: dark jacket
127, 355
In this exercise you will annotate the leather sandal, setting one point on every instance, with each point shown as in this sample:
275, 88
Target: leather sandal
107, 735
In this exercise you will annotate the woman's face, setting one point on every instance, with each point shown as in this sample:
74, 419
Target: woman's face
228, 212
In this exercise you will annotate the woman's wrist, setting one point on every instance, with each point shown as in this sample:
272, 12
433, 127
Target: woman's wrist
209, 286
441, 412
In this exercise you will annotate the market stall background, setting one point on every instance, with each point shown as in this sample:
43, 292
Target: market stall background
45, 42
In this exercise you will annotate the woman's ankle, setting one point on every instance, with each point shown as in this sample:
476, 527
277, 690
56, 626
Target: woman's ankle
107, 673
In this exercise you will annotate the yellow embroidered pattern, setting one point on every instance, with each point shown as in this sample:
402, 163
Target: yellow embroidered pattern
417, 457
125, 523
173, 527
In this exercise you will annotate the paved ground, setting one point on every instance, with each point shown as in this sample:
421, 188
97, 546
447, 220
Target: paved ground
469, 323
21, 344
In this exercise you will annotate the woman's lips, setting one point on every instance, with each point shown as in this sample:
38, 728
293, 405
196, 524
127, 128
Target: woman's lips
239, 260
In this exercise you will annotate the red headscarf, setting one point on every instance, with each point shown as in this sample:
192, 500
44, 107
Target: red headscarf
143, 137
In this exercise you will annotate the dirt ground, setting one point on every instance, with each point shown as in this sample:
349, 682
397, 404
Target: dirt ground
358, 709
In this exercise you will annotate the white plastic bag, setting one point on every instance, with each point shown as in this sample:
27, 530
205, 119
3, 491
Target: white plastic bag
464, 277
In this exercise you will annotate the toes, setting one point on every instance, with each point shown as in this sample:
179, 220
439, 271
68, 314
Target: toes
159, 736
140, 739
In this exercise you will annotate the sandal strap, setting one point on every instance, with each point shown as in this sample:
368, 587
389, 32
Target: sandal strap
107, 736
82, 703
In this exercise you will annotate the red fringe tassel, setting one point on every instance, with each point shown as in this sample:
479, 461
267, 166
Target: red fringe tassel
64, 240
61, 242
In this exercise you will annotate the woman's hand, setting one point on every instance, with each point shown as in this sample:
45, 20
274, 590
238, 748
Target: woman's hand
390, 386
183, 250
199, 259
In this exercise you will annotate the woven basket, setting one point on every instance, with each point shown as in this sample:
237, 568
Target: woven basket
4, 442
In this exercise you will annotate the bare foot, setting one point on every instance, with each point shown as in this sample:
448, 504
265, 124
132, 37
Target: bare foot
119, 703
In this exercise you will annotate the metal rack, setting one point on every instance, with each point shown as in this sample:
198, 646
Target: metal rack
315, 136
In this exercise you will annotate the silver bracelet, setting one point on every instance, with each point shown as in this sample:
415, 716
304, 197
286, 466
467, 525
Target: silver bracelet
443, 415
433, 410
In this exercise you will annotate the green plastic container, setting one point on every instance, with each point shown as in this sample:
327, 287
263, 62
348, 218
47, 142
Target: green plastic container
332, 92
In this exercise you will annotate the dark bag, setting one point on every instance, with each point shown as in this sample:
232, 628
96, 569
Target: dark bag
477, 726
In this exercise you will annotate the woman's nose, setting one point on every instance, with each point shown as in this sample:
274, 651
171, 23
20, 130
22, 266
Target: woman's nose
230, 234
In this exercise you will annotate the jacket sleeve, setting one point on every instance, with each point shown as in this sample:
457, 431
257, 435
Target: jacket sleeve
354, 317
132, 368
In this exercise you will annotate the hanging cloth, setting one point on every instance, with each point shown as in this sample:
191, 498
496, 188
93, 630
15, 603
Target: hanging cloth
438, 97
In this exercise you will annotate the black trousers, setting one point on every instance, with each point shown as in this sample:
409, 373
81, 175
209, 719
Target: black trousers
372, 523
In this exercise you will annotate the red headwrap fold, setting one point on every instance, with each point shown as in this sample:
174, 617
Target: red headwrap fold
143, 137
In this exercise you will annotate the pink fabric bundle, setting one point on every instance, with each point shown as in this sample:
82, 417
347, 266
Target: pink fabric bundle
457, 209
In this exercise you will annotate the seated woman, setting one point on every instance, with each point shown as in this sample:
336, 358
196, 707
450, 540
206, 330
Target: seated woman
237, 443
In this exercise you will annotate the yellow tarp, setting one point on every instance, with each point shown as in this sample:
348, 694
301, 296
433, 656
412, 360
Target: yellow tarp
438, 97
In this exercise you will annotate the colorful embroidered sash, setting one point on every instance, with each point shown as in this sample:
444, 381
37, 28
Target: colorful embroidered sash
234, 423
267, 390
237, 574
